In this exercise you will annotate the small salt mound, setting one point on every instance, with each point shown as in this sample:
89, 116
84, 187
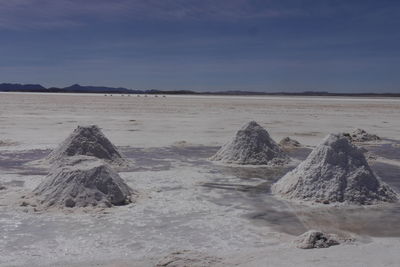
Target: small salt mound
335, 171
288, 143
7, 143
316, 239
359, 135
82, 181
89, 141
251, 145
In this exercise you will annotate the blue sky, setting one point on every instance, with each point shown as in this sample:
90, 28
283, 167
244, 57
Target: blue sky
204, 45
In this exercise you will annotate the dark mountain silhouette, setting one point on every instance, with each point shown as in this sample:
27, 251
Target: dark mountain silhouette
76, 88
12, 87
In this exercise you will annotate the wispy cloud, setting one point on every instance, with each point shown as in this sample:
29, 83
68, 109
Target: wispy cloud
61, 13
65, 13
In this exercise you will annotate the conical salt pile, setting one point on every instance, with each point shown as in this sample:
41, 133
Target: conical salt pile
82, 181
88, 141
335, 171
251, 145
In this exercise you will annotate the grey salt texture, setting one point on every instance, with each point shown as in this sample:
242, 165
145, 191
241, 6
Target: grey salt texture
316, 239
251, 145
88, 141
82, 181
335, 171
187, 258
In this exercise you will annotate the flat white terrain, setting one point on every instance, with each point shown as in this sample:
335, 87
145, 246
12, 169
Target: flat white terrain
223, 212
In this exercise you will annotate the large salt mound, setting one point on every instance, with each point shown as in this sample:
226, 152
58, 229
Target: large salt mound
335, 171
88, 141
82, 181
251, 145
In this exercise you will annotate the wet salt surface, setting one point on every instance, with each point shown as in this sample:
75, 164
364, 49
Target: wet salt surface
164, 158
389, 173
234, 187
389, 150
283, 216
15, 161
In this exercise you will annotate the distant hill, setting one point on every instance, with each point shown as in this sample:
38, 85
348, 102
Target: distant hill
13, 87
76, 88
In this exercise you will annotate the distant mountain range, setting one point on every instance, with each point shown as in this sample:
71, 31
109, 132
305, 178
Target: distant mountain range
13, 87
76, 88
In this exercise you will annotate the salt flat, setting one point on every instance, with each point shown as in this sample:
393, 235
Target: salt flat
46, 119
187, 202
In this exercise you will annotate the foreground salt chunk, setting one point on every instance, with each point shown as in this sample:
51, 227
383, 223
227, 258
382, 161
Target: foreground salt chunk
316, 239
82, 181
88, 141
335, 171
251, 145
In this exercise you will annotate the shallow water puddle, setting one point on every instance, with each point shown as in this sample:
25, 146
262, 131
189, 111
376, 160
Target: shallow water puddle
388, 173
282, 216
164, 158
14, 162
390, 150
378, 221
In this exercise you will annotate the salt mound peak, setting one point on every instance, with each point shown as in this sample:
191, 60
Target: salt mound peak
360, 135
335, 171
82, 181
252, 144
88, 141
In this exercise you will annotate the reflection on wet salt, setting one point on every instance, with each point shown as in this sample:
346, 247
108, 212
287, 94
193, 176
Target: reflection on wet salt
15, 161
283, 216
379, 221
278, 219
390, 150
390, 174
264, 173
163, 158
